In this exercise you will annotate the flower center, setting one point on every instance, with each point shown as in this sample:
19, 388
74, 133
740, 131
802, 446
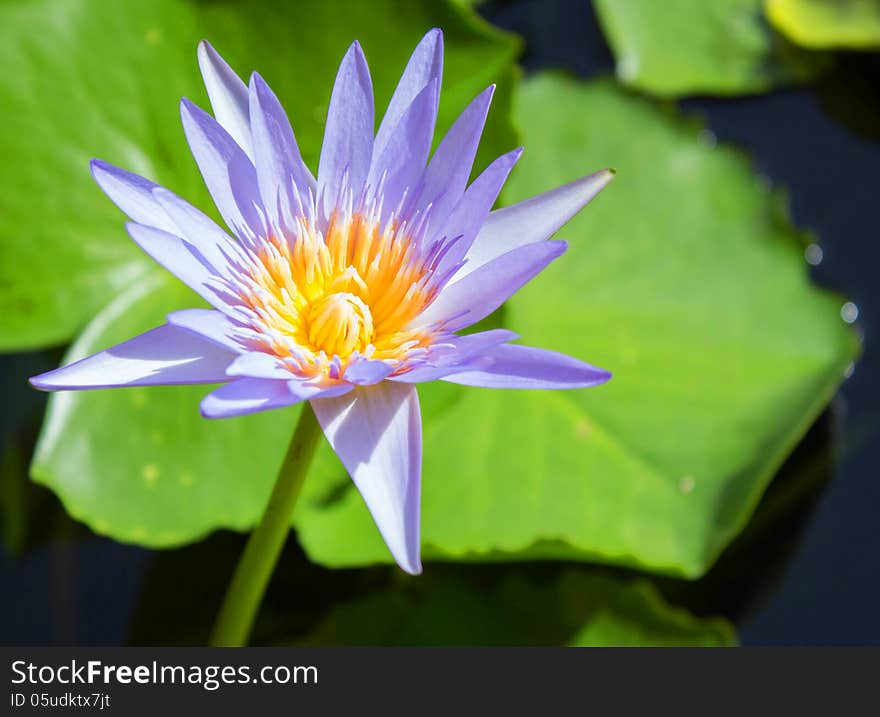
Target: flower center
321, 298
340, 324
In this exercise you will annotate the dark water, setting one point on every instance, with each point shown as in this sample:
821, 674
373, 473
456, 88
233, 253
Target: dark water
804, 572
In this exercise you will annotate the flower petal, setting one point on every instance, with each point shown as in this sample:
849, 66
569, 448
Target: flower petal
210, 324
348, 136
377, 433
531, 220
425, 65
178, 257
529, 367
228, 95
133, 194
163, 356
458, 353
257, 364
472, 209
403, 158
197, 229
449, 168
250, 395
365, 372
226, 169
427, 372
463, 347
279, 164
477, 295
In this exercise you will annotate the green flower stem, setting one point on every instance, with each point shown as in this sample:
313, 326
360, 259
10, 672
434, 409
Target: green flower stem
236, 618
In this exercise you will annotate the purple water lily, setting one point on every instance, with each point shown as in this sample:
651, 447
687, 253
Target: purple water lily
346, 290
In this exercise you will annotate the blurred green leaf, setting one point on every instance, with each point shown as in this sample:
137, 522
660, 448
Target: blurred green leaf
686, 280
686, 47
101, 78
577, 608
852, 24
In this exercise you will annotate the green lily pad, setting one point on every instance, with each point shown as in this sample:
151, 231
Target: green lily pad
101, 78
577, 608
686, 280
852, 24
682, 47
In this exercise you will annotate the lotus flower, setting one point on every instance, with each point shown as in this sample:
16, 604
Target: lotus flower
346, 290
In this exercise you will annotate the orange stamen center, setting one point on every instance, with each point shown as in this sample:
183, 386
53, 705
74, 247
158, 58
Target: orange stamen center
354, 290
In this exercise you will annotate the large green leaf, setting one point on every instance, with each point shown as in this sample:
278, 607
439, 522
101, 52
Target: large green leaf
86, 78
141, 465
577, 608
687, 281
851, 24
686, 47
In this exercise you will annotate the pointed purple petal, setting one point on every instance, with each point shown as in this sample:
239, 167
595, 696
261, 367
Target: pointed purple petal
425, 65
528, 367
472, 209
250, 395
226, 169
247, 395
197, 229
348, 136
478, 294
163, 356
426, 373
449, 169
178, 257
228, 95
463, 347
210, 324
402, 161
532, 220
257, 364
132, 194
279, 164
377, 433
458, 353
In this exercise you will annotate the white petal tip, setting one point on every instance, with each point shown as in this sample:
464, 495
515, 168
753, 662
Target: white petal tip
412, 568
207, 56
205, 409
589, 186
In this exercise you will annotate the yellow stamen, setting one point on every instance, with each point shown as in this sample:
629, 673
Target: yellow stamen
353, 290
340, 324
